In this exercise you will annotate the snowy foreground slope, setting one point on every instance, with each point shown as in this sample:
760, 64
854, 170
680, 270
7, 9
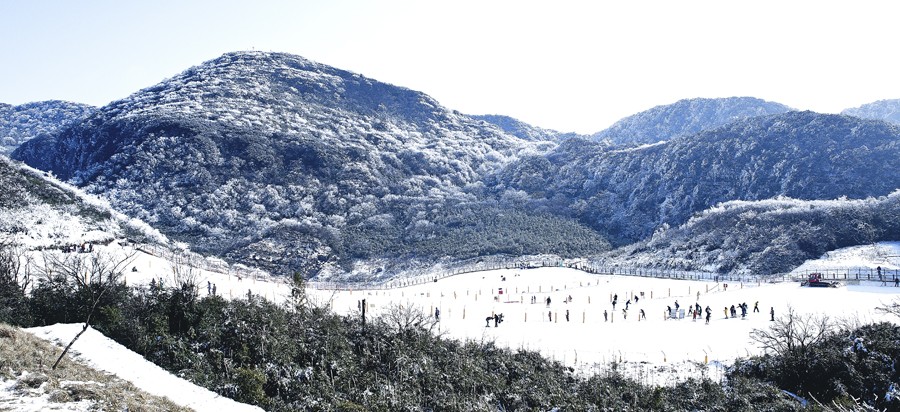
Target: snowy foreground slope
106, 355
654, 350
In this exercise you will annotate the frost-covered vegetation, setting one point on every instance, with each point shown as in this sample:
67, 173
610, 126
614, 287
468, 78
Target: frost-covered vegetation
887, 110
274, 161
629, 194
685, 117
19, 124
766, 237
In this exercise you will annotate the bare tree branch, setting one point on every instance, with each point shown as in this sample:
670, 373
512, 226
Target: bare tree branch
94, 274
793, 332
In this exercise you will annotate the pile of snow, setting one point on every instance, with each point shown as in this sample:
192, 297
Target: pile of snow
106, 355
36, 401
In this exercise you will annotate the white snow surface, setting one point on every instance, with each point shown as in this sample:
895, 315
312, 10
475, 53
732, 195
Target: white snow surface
655, 350
106, 355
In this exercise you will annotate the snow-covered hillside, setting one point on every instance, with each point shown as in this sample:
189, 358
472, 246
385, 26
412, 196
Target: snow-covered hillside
106, 355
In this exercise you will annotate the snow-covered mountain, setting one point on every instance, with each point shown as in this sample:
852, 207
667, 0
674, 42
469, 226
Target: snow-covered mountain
275, 160
524, 130
629, 193
27, 121
685, 117
887, 110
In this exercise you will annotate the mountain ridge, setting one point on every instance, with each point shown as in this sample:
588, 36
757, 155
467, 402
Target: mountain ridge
684, 117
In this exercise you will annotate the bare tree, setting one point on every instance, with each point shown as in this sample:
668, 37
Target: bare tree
792, 333
91, 275
408, 317
892, 308
185, 275
15, 280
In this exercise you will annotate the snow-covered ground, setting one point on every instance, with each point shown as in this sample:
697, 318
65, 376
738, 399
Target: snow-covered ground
655, 350
106, 355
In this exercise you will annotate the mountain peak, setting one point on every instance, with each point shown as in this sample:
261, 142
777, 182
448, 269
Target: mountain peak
686, 116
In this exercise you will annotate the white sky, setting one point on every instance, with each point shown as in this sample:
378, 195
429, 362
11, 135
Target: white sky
567, 65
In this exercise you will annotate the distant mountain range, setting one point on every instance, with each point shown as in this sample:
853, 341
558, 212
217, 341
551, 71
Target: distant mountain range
24, 122
279, 162
685, 117
887, 110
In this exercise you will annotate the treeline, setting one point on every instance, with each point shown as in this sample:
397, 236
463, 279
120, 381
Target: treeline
301, 356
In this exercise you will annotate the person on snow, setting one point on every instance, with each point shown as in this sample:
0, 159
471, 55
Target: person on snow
567, 315
437, 314
726, 312
627, 303
550, 316
756, 307
642, 315
772, 313
548, 301
733, 311
605, 316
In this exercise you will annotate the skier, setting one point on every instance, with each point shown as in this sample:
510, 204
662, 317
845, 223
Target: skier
676, 304
733, 311
627, 303
437, 314
548, 301
605, 316
643, 315
708, 315
624, 313
772, 313
567, 315
756, 307
549, 316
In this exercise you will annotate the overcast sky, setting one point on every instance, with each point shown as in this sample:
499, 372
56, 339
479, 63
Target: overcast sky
565, 65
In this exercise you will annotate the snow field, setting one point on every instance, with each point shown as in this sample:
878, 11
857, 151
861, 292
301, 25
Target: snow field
654, 350
588, 342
